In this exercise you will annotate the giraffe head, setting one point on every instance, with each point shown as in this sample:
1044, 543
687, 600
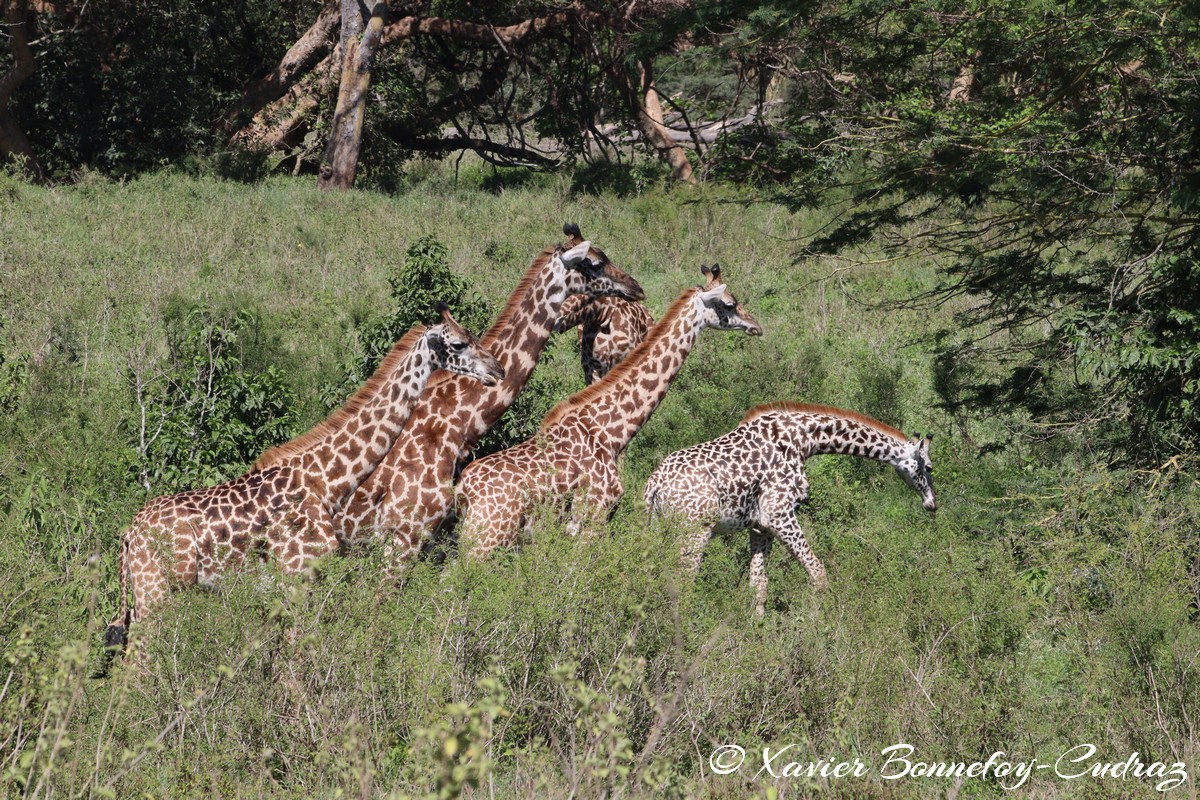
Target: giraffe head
917, 470
588, 271
456, 350
721, 309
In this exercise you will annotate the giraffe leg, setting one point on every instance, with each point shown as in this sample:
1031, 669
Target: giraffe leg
760, 549
792, 536
146, 557
782, 492
590, 512
694, 545
114, 634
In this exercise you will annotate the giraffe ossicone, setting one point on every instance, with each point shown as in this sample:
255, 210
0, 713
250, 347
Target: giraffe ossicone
753, 477
575, 454
285, 504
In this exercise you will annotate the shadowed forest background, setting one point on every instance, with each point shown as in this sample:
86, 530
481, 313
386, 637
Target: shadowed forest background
975, 219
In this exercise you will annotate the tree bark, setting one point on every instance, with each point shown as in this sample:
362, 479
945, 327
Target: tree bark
14, 145
304, 55
282, 123
646, 109
340, 163
964, 84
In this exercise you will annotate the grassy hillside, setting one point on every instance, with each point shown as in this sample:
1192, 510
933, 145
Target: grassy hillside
1050, 603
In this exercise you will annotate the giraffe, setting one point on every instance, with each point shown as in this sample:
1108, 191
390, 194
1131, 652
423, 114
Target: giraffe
753, 477
284, 505
576, 450
609, 329
411, 494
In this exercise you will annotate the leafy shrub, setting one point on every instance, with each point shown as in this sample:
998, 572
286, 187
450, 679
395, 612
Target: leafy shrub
206, 416
621, 179
422, 281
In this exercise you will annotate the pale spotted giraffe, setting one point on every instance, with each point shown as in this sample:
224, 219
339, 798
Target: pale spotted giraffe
609, 329
412, 494
753, 477
283, 506
575, 453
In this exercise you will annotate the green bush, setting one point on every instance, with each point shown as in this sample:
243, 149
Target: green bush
206, 416
417, 285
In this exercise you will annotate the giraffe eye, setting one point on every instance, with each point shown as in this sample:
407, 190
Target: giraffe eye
458, 346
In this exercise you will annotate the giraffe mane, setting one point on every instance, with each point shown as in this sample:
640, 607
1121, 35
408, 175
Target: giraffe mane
513, 304
627, 365
335, 421
832, 411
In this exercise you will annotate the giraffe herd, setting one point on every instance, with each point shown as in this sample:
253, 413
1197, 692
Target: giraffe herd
382, 468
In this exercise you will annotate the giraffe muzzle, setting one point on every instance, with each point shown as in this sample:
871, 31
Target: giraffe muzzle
633, 292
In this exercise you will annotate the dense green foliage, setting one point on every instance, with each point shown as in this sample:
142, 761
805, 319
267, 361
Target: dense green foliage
1043, 155
130, 86
416, 286
1052, 601
205, 416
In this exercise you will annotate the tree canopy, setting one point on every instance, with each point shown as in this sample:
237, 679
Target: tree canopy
1043, 154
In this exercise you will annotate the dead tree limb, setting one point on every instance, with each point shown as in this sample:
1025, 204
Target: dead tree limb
300, 59
646, 110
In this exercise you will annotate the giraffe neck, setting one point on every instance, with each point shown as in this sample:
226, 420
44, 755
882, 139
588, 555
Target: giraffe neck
850, 437
619, 405
517, 340
346, 456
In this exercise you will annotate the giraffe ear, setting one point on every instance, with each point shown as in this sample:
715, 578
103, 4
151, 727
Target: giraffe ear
576, 254
710, 296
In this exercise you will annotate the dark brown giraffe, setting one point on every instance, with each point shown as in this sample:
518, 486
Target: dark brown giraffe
753, 477
576, 451
411, 493
284, 505
609, 329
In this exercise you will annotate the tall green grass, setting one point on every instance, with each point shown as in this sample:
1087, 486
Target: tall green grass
1050, 602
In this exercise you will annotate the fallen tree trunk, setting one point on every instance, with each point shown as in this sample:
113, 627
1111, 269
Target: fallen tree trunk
497, 153
705, 132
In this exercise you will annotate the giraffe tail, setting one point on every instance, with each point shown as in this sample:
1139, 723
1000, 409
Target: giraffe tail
650, 497
114, 634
